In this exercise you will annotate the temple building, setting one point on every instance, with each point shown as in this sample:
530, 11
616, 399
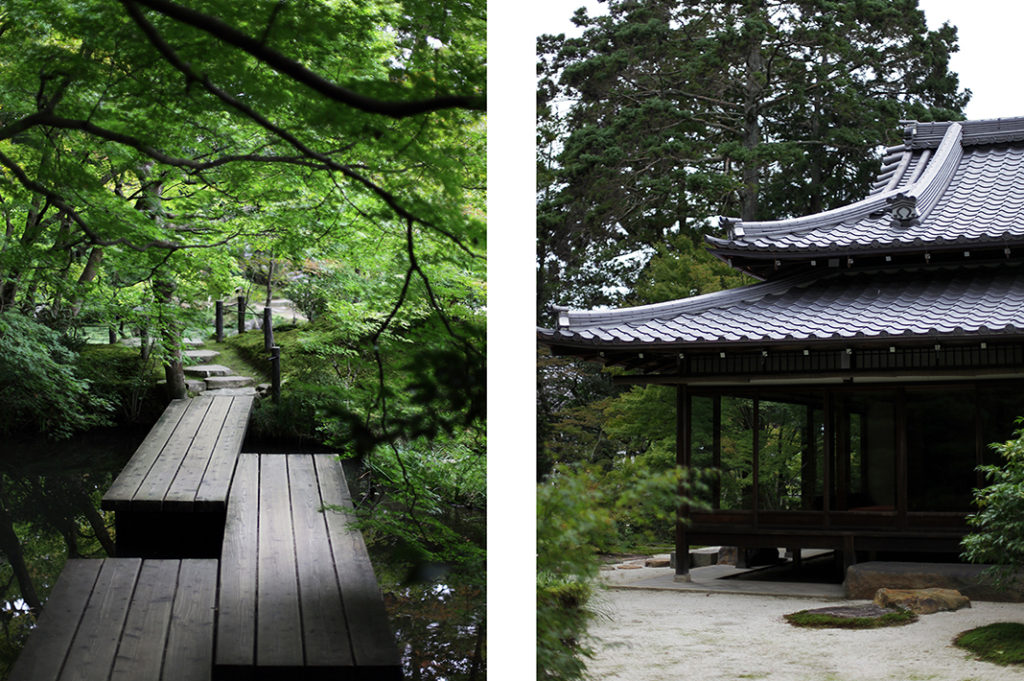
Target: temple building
847, 398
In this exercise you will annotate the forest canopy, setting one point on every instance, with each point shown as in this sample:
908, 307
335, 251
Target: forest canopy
149, 149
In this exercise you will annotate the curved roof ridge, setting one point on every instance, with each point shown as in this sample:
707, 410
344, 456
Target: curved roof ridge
672, 308
975, 132
928, 187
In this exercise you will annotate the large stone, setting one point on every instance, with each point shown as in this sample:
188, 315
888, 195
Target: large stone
215, 382
206, 370
657, 563
863, 580
922, 601
201, 355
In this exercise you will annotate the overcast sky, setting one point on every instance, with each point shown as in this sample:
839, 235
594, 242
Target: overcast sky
989, 37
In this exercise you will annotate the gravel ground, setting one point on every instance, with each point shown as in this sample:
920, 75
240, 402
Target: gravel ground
667, 635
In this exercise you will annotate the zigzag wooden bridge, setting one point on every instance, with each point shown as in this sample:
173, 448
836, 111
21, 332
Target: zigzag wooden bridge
226, 569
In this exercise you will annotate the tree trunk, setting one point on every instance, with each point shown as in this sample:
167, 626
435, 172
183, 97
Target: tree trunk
753, 90
174, 368
11, 547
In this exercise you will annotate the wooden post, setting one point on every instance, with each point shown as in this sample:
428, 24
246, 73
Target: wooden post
275, 373
241, 314
682, 459
268, 328
218, 321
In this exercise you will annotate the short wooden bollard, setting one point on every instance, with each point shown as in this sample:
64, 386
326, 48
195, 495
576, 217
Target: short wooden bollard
268, 328
218, 320
241, 314
275, 373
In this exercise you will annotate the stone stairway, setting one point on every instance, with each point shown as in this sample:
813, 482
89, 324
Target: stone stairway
214, 379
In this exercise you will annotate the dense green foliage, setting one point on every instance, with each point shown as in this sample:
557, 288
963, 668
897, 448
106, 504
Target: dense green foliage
664, 114
997, 528
157, 156
147, 149
1001, 643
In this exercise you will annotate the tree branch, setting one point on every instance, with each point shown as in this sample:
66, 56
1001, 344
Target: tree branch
296, 71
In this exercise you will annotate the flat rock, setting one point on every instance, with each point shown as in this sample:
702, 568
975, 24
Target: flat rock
201, 355
656, 563
206, 370
215, 382
922, 601
195, 385
863, 580
230, 391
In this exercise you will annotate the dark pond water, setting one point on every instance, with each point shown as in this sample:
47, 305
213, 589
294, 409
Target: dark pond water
49, 497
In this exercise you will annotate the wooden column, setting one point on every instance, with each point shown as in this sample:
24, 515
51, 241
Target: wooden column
901, 458
755, 452
826, 468
218, 321
716, 450
682, 459
241, 314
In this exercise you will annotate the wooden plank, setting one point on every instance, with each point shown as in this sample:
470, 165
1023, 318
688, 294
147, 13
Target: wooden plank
181, 493
132, 475
141, 651
373, 643
236, 603
324, 630
278, 625
189, 651
44, 653
213, 491
91, 655
154, 487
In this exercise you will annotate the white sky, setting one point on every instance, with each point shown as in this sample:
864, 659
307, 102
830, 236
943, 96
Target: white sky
989, 38
990, 45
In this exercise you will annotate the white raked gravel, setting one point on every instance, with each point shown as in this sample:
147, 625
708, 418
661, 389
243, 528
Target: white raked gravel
670, 635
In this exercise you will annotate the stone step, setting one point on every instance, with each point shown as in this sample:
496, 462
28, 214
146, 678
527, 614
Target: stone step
215, 382
207, 370
195, 385
230, 391
201, 355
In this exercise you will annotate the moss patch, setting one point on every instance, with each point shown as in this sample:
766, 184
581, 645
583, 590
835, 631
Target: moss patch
851, 617
1001, 643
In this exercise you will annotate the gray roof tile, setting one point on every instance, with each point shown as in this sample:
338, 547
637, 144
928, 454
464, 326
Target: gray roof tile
933, 302
967, 178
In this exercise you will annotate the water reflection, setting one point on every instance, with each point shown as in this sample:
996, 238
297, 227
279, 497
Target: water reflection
49, 511
440, 630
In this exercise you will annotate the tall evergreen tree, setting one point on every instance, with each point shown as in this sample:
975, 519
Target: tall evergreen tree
666, 113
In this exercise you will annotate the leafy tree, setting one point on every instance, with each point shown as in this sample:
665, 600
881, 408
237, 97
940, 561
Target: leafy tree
667, 113
997, 535
146, 146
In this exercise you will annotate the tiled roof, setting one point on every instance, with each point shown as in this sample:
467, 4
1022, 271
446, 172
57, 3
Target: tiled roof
932, 303
964, 182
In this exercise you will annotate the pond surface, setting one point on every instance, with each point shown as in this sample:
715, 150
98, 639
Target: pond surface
49, 510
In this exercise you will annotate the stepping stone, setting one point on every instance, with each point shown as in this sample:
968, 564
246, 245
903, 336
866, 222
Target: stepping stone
230, 391
202, 355
195, 385
194, 342
215, 382
207, 370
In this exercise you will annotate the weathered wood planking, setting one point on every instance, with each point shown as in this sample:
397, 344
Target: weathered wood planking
319, 610
185, 462
112, 619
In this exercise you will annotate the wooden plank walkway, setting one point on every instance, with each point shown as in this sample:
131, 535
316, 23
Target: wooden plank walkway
170, 499
125, 619
297, 592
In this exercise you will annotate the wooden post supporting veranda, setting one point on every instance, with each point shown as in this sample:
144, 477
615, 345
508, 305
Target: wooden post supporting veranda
682, 459
218, 320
